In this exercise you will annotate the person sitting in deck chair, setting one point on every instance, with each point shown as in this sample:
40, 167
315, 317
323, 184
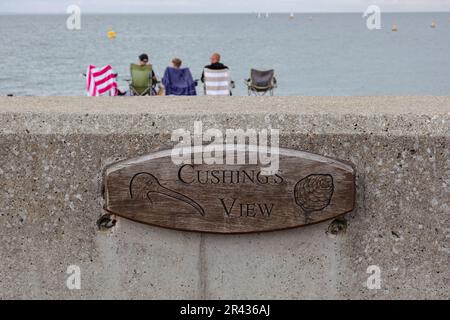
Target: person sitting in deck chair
216, 78
143, 78
178, 81
144, 61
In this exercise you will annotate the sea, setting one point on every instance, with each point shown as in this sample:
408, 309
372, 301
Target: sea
312, 54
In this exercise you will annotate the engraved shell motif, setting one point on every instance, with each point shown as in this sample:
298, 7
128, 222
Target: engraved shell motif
314, 192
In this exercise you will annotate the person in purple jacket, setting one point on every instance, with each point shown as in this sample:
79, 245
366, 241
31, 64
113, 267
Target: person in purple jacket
178, 81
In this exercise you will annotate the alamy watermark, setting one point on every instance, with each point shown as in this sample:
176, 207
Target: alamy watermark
214, 146
73, 282
374, 280
73, 22
373, 14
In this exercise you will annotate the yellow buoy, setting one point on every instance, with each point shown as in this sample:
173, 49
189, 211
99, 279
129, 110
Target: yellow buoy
394, 28
433, 24
111, 34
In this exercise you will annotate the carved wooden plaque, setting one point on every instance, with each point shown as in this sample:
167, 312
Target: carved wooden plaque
224, 198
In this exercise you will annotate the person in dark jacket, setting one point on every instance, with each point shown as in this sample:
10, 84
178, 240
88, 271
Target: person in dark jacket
215, 64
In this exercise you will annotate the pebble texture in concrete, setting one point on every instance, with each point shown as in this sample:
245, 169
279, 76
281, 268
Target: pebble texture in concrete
53, 152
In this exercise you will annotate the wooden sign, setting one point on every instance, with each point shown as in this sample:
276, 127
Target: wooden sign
224, 198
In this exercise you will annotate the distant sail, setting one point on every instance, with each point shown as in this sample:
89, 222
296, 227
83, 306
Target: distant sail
267, 14
291, 16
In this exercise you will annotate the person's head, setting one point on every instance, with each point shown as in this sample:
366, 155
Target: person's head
176, 63
215, 58
143, 59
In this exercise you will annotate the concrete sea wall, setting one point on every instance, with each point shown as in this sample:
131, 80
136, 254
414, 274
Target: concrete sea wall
53, 152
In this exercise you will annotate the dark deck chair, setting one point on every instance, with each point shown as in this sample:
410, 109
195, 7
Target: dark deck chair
261, 82
141, 80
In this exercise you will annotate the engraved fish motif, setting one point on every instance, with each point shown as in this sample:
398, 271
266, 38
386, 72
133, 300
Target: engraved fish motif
314, 192
143, 184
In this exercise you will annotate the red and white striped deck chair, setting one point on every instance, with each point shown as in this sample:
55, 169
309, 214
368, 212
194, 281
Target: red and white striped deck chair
101, 81
217, 82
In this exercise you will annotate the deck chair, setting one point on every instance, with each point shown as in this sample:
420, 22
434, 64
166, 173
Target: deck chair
179, 82
261, 82
141, 80
217, 82
101, 81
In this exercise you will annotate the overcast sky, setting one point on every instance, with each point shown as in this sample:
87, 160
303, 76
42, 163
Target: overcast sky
188, 6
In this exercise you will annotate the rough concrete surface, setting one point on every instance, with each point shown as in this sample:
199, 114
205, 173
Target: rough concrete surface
53, 152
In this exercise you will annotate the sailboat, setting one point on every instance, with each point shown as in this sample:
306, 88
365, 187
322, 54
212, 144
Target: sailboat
258, 15
267, 15
291, 16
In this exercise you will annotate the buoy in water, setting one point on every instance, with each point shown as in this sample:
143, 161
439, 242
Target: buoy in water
111, 34
394, 28
433, 24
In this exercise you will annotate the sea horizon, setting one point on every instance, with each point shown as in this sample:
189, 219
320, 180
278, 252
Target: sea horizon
213, 13
315, 54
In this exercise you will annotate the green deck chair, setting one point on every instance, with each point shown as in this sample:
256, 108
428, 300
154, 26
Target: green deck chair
141, 80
